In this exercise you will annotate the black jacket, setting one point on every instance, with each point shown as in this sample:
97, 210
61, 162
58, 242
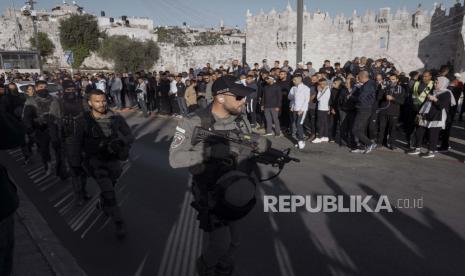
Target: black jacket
366, 96
391, 107
435, 112
181, 89
89, 137
339, 97
272, 96
8, 197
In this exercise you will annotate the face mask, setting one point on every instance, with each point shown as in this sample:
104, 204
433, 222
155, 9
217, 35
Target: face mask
13, 91
43, 93
69, 96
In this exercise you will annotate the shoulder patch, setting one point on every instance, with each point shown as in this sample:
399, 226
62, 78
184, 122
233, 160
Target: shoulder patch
183, 131
178, 139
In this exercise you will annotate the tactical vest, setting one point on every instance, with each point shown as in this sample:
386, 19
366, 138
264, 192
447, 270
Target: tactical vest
97, 144
71, 111
211, 187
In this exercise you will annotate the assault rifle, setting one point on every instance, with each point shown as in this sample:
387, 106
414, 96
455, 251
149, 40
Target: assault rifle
261, 148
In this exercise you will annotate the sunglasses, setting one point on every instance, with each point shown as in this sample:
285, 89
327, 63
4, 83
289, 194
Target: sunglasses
238, 98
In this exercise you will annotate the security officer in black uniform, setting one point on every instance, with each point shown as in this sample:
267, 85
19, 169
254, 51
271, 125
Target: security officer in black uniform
72, 106
213, 166
102, 140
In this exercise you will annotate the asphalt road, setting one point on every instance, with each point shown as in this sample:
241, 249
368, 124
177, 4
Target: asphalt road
164, 239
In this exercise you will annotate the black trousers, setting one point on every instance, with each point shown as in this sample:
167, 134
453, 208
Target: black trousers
7, 243
411, 112
285, 115
387, 126
445, 134
323, 123
362, 120
310, 121
339, 127
432, 139
164, 104
373, 126
44, 141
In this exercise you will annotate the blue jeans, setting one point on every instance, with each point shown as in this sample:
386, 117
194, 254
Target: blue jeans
297, 124
182, 105
116, 94
142, 104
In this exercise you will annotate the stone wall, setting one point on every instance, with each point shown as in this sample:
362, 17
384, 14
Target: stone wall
402, 37
11, 39
412, 40
444, 43
180, 59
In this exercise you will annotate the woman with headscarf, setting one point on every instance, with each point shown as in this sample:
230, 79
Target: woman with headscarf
432, 116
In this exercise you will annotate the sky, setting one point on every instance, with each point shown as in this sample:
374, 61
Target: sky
208, 13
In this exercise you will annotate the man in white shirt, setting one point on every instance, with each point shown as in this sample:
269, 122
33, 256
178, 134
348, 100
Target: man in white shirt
299, 96
323, 96
101, 83
173, 95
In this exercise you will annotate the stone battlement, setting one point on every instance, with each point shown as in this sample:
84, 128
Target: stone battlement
405, 37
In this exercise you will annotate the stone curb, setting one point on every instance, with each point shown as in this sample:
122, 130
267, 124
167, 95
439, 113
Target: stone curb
60, 260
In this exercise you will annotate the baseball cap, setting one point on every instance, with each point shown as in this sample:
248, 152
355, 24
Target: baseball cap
68, 84
230, 84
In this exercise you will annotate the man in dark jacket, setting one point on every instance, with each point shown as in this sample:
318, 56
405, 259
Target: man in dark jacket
328, 69
72, 106
105, 138
285, 85
271, 103
337, 101
12, 136
365, 98
44, 114
310, 119
392, 97
181, 92
251, 104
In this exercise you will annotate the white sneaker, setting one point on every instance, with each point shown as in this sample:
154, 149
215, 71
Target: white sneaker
429, 154
301, 144
324, 139
415, 151
268, 134
317, 141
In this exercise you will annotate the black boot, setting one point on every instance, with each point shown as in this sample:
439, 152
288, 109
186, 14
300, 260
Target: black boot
120, 229
203, 269
225, 267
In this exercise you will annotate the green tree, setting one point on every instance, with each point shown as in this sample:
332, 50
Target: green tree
46, 46
129, 55
208, 38
174, 35
79, 33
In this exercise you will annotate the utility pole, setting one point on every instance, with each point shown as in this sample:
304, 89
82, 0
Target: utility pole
300, 19
36, 35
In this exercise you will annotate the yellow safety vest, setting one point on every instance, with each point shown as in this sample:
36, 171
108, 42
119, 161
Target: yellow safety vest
418, 99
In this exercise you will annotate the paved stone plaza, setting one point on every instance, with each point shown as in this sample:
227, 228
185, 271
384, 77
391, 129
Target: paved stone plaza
164, 239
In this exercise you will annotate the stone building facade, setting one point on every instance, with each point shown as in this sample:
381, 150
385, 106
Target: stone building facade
412, 40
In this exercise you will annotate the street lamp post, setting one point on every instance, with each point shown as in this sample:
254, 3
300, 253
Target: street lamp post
36, 34
300, 17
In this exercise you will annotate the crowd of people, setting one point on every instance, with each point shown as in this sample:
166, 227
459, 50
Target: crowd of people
362, 104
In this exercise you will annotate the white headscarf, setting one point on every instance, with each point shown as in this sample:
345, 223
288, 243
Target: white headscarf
442, 84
